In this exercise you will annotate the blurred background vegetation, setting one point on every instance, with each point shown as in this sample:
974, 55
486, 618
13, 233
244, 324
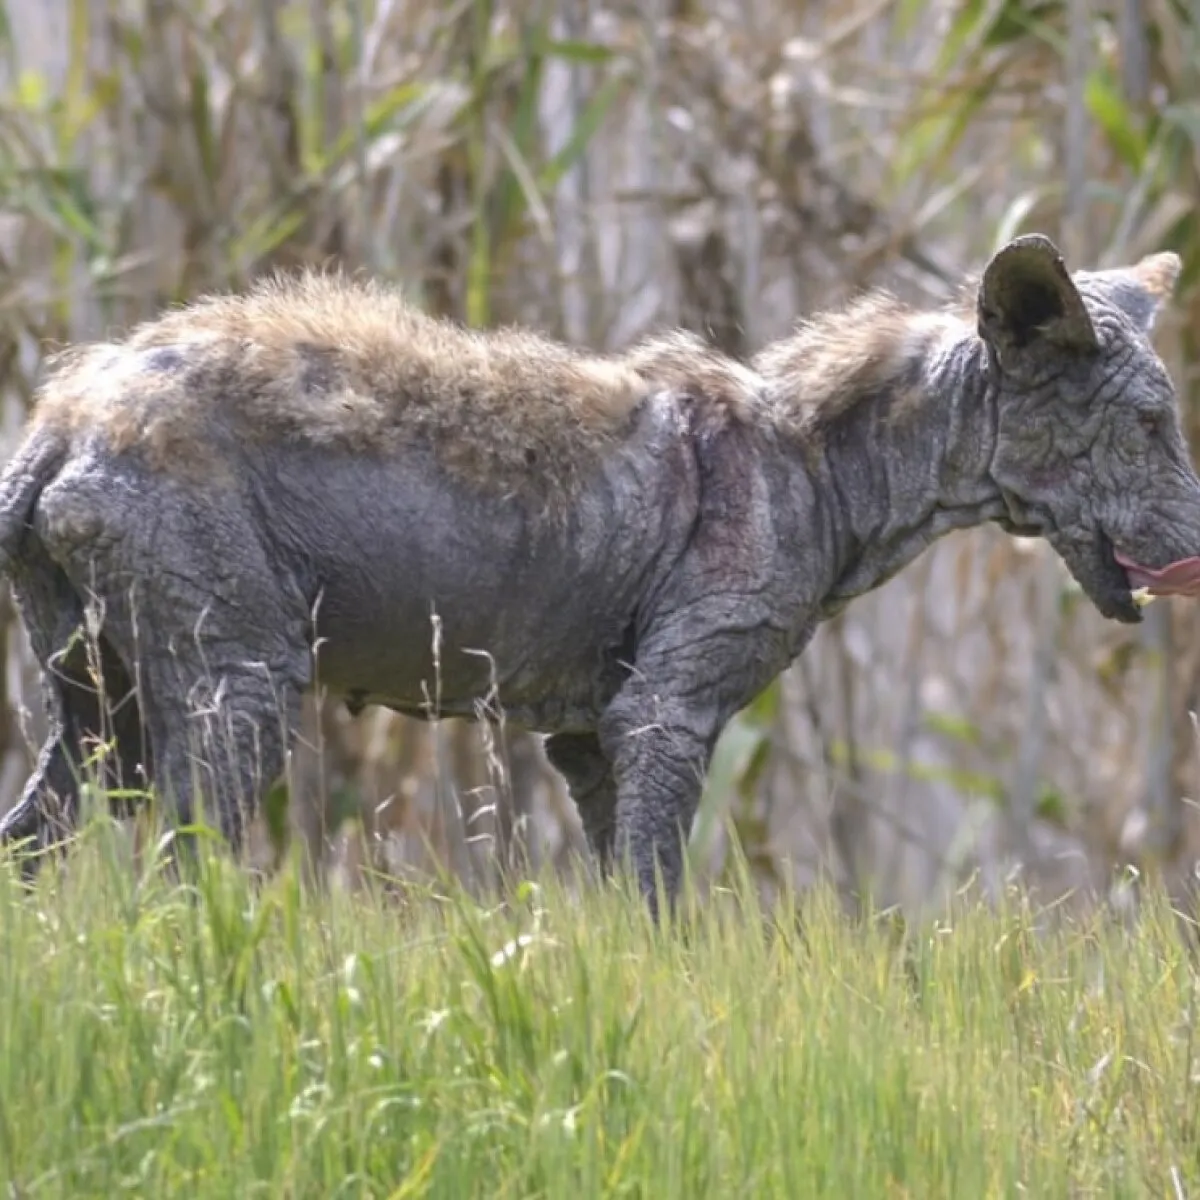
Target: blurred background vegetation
599, 169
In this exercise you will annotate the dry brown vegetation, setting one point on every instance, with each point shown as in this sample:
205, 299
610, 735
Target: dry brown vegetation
600, 171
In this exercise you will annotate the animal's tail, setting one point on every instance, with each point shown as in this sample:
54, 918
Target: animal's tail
29, 470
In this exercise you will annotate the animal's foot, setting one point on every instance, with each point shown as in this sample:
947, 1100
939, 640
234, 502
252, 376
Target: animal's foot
25, 831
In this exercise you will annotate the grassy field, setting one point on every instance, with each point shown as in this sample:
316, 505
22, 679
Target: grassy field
241, 1041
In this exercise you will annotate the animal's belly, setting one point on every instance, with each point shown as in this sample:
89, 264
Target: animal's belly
411, 661
429, 597
550, 657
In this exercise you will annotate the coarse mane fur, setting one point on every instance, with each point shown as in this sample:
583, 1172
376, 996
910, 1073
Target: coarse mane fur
327, 360
874, 349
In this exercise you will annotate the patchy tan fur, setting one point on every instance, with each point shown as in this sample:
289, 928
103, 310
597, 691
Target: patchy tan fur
725, 389
874, 347
325, 360
1159, 273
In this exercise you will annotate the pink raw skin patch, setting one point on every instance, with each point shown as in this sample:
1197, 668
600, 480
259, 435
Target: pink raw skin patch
1180, 578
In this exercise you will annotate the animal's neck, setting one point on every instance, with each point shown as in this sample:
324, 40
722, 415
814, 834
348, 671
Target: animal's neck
898, 441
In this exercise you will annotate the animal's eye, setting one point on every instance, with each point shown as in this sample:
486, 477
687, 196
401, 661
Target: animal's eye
1151, 422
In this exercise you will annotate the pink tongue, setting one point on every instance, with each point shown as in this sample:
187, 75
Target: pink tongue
1180, 578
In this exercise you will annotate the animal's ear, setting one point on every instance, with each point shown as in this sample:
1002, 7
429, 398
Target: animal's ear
1141, 290
1026, 297
1158, 274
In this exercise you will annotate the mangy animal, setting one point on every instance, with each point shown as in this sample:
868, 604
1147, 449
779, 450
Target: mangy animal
313, 483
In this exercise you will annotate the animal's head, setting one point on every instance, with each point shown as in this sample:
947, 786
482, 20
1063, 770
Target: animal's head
1090, 452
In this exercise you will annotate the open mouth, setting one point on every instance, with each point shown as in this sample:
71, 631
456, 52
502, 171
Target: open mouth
1118, 585
1179, 578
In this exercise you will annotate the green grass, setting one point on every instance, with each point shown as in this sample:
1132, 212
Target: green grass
246, 1042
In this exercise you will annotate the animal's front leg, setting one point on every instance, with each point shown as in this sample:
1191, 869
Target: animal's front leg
659, 734
580, 760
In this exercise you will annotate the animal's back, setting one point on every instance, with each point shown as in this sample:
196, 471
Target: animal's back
324, 360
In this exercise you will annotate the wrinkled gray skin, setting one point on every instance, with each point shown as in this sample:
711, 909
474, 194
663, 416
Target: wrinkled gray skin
690, 573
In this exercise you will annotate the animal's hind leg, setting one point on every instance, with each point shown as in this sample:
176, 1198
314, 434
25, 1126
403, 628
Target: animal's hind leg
94, 720
220, 737
580, 760
214, 627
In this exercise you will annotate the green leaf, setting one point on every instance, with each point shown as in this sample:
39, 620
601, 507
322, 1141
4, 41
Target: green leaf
75, 86
275, 813
394, 109
31, 90
7, 41
905, 16
970, 15
524, 131
1052, 807
478, 300
574, 51
585, 129
931, 141
71, 202
953, 726
1115, 119
739, 758
266, 233
202, 126
885, 762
